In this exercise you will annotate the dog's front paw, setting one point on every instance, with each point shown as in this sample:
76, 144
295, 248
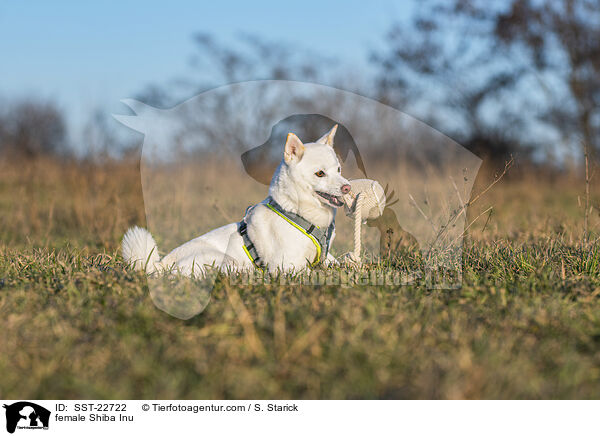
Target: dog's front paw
331, 261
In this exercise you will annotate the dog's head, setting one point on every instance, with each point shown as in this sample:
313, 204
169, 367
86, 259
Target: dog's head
316, 169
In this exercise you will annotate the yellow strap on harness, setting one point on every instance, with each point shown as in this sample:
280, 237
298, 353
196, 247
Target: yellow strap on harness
249, 256
312, 238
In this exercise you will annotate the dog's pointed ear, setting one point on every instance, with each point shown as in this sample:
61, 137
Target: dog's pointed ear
294, 149
327, 138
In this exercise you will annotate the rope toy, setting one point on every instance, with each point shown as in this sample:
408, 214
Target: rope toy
366, 200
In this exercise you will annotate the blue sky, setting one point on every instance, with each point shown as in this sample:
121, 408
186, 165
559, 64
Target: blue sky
88, 55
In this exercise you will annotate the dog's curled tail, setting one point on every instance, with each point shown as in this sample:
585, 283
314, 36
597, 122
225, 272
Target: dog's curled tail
139, 250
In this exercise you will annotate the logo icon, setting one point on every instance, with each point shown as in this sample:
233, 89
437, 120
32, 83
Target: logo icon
26, 415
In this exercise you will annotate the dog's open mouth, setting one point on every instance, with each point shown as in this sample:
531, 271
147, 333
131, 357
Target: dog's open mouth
331, 199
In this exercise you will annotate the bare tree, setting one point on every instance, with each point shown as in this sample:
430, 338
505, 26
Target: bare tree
500, 75
216, 63
562, 41
32, 128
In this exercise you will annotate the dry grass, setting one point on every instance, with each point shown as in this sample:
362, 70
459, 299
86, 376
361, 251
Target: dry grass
52, 204
77, 324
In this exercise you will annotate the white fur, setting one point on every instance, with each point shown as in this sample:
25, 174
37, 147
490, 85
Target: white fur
280, 245
139, 249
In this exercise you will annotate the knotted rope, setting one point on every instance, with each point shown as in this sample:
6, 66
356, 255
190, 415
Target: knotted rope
366, 200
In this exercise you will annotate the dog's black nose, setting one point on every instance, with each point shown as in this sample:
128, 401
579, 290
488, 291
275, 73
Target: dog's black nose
345, 189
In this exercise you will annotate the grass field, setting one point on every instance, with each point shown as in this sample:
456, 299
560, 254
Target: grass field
77, 324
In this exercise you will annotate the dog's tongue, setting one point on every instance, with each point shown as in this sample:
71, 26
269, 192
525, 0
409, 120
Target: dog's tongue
337, 201
332, 199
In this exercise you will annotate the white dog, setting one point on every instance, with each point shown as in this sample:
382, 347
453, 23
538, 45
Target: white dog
291, 229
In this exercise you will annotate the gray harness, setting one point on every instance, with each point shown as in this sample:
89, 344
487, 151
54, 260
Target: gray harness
319, 237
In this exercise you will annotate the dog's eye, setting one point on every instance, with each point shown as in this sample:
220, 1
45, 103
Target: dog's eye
320, 173
339, 170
